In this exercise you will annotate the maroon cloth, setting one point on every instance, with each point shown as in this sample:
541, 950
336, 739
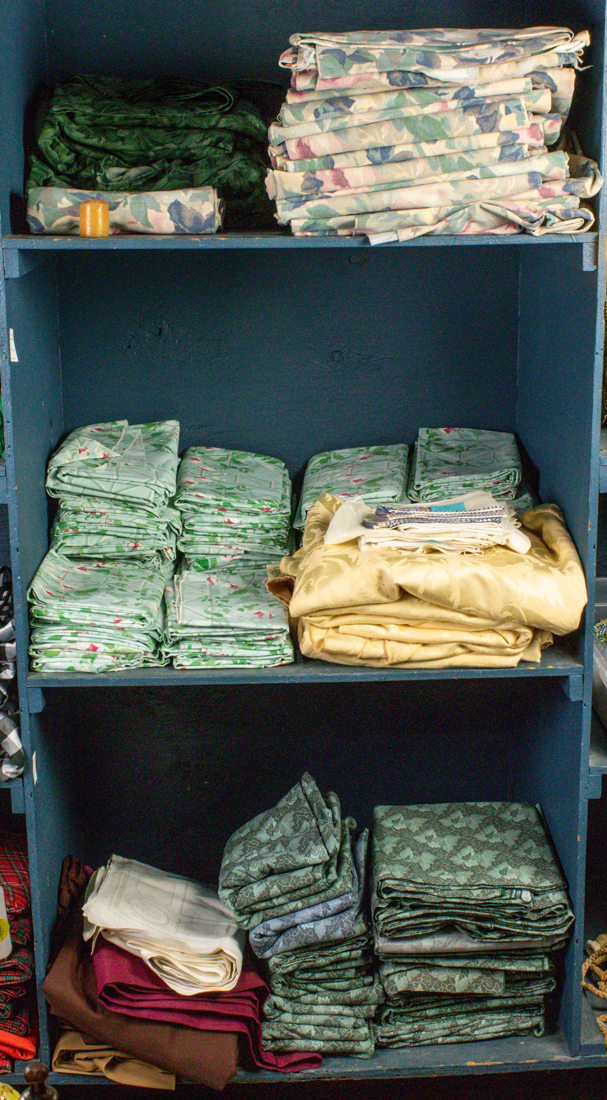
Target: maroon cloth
126, 984
209, 1058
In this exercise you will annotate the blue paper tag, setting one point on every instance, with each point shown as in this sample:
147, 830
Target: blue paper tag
459, 507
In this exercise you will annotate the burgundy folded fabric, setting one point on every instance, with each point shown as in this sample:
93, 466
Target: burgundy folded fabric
207, 1057
125, 984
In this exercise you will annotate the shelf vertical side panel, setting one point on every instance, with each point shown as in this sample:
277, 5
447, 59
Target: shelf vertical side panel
23, 51
36, 423
31, 386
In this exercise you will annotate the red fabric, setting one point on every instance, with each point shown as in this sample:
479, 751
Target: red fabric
19, 1046
126, 984
14, 872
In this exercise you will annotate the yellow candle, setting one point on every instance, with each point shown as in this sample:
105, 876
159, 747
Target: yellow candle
94, 218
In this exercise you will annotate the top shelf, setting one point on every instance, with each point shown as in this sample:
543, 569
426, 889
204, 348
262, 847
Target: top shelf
20, 252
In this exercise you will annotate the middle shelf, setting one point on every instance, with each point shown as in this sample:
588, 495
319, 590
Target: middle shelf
556, 661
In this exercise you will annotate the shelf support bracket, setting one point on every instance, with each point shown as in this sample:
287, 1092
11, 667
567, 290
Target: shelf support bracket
573, 686
595, 785
17, 796
590, 255
18, 263
35, 700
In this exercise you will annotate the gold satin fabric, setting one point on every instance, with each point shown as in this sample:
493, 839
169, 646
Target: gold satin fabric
390, 608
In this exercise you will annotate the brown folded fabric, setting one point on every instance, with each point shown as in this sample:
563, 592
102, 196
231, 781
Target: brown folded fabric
206, 1057
76, 1053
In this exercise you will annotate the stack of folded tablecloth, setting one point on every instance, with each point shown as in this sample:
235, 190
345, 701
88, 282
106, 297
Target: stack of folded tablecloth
401, 608
12, 757
180, 929
167, 980
379, 474
469, 906
114, 483
394, 134
450, 461
297, 883
158, 150
18, 1020
225, 619
125, 984
95, 616
462, 525
325, 989
233, 505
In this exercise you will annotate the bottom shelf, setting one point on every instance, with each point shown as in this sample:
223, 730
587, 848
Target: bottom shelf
457, 1059
498, 1055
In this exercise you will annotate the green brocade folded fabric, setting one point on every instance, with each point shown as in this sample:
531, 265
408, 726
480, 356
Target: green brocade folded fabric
422, 1020
289, 856
167, 134
486, 867
467, 978
324, 994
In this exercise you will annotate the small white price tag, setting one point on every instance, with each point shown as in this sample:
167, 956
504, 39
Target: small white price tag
12, 347
5, 933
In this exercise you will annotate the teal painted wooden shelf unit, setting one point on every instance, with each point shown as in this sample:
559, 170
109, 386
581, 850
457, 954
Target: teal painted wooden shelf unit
289, 347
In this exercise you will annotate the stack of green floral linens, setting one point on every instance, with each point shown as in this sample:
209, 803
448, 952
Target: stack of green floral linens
448, 462
235, 508
469, 906
115, 483
97, 598
378, 474
96, 616
225, 619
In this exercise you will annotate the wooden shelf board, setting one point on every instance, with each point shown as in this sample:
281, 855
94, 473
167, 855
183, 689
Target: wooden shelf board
279, 238
555, 662
457, 1059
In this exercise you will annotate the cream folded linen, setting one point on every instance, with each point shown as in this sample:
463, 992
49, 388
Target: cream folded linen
181, 929
77, 1053
466, 524
431, 611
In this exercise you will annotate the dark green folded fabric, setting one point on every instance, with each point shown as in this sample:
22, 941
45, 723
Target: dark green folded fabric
466, 979
486, 868
417, 1020
296, 854
109, 134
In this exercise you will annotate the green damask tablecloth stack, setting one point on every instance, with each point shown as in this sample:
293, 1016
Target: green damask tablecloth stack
235, 507
395, 134
469, 906
297, 882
